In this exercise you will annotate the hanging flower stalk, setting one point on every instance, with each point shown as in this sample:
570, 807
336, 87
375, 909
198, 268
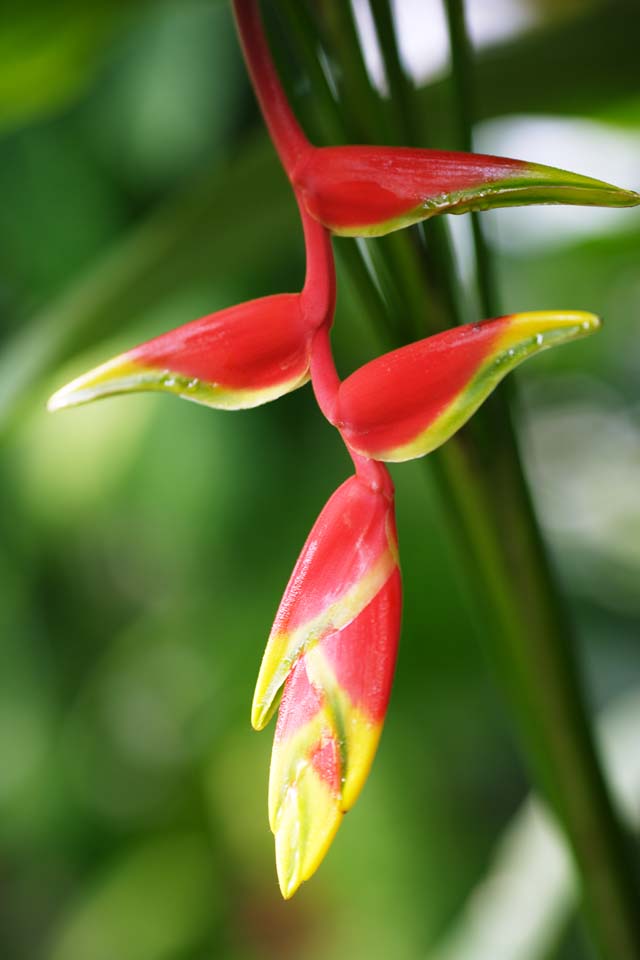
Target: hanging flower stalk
331, 654
333, 646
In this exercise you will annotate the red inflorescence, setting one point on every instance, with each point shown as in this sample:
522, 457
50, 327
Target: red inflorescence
331, 653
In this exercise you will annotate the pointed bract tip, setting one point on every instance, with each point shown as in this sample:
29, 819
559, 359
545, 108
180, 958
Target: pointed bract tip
288, 885
261, 711
560, 325
564, 186
629, 198
307, 821
292, 871
119, 375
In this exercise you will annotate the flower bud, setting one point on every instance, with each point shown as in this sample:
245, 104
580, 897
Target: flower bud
233, 359
363, 191
333, 646
408, 402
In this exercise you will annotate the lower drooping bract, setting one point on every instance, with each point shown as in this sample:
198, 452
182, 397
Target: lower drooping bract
348, 556
333, 647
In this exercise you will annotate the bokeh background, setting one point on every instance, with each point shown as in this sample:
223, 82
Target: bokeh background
145, 542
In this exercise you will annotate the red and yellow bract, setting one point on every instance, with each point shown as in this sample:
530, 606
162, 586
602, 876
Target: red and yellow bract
333, 646
370, 191
408, 402
236, 358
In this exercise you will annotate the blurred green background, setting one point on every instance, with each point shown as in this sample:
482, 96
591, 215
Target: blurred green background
145, 543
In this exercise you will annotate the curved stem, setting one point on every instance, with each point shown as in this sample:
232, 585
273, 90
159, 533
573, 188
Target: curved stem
324, 376
326, 387
285, 131
319, 291
373, 473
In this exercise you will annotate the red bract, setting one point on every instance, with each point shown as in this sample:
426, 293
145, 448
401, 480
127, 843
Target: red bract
236, 358
408, 402
349, 554
333, 645
370, 191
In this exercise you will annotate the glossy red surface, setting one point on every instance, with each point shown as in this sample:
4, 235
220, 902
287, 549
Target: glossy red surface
360, 185
391, 400
363, 654
346, 540
251, 345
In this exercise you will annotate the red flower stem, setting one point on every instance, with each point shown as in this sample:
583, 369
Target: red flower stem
319, 291
285, 131
290, 142
326, 383
324, 376
373, 473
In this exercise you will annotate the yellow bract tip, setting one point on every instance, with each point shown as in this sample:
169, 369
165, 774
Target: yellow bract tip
119, 375
539, 321
307, 820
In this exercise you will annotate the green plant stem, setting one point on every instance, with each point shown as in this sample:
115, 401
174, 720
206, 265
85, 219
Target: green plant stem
462, 80
535, 650
529, 643
403, 115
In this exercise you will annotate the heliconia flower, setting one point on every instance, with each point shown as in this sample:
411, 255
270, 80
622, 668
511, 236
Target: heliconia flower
365, 191
333, 646
406, 403
236, 358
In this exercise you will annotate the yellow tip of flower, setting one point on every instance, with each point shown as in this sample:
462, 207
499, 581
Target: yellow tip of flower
262, 711
576, 323
120, 375
306, 823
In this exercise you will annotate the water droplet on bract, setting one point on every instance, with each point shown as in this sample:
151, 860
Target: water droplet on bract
193, 384
586, 324
539, 339
169, 382
511, 352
